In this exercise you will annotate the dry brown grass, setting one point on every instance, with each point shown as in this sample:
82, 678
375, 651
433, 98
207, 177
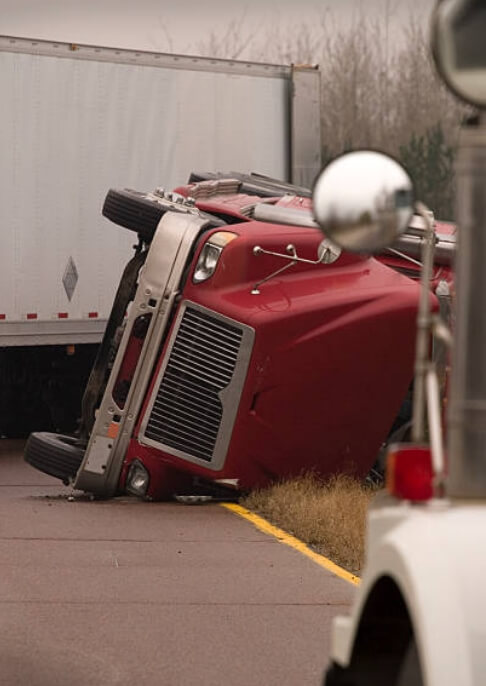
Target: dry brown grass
329, 516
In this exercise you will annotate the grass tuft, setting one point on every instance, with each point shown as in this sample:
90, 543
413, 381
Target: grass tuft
329, 516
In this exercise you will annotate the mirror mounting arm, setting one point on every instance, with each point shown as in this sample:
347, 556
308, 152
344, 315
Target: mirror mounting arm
328, 253
424, 322
292, 256
404, 256
426, 388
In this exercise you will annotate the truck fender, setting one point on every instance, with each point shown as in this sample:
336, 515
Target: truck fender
423, 579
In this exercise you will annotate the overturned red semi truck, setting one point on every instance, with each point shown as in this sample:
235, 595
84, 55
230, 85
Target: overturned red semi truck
242, 348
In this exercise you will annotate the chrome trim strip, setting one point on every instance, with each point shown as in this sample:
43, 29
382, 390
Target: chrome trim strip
81, 51
158, 283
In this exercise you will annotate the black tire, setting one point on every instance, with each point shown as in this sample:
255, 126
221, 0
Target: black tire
337, 676
134, 211
376, 475
54, 454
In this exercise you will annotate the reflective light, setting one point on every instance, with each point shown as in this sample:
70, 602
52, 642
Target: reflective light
409, 473
138, 479
210, 254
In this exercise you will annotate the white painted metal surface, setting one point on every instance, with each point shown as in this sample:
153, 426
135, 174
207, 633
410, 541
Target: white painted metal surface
305, 126
431, 553
77, 120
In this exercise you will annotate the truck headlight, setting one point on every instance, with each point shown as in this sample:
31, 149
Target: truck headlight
138, 479
210, 254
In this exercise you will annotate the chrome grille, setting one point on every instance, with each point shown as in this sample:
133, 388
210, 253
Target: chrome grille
187, 411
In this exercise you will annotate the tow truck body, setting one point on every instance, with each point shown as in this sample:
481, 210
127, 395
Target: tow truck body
418, 619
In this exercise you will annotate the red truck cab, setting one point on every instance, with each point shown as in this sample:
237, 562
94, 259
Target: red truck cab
242, 348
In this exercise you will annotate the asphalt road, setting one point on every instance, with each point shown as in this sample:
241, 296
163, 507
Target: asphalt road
126, 592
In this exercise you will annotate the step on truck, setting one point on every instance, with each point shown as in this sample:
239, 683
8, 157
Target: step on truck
77, 119
242, 348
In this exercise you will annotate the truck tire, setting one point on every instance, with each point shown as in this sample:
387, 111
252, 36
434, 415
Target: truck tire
54, 454
338, 676
133, 210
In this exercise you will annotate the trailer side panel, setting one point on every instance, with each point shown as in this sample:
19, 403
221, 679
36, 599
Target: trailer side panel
70, 129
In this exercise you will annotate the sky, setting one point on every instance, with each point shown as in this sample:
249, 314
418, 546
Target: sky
181, 26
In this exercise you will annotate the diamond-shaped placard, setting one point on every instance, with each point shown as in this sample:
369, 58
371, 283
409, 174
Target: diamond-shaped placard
70, 278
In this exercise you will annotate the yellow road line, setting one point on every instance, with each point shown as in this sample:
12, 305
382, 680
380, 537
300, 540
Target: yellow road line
291, 541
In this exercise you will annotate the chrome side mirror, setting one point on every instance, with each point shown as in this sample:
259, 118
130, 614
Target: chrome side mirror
363, 201
458, 34
327, 252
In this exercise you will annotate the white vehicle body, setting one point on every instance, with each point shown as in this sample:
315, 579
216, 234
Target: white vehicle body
77, 120
419, 617
422, 589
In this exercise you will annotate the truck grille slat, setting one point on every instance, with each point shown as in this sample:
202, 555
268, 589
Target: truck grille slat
229, 343
185, 403
174, 390
189, 384
168, 403
187, 410
177, 428
226, 347
211, 325
199, 371
194, 351
215, 334
186, 445
184, 418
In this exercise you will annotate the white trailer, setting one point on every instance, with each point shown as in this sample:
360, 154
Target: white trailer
77, 120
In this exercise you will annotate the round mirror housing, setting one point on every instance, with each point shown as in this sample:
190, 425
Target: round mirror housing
327, 252
458, 35
363, 201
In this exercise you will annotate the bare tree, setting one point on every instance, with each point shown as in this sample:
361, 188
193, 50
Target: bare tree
378, 89
231, 43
